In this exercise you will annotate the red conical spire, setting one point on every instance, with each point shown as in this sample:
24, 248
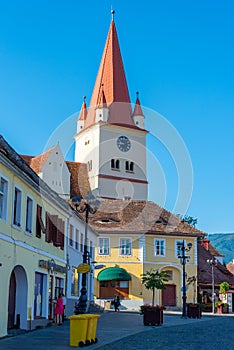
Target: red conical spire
111, 81
137, 108
83, 112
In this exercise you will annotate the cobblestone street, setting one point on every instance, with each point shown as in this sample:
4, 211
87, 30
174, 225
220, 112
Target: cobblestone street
126, 331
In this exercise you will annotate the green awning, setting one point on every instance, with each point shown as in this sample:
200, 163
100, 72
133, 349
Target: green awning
114, 273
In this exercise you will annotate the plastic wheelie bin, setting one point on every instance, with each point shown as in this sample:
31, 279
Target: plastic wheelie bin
92, 328
78, 330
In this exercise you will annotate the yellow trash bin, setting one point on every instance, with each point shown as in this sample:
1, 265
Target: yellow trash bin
78, 330
92, 328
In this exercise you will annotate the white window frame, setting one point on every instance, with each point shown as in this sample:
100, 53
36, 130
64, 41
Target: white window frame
71, 235
101, 250
123, 249
177, 252
17, 216
162, 247
29, 216
4, 196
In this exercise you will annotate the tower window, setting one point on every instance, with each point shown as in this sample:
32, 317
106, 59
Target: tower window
129, 166
114, 163
90, 165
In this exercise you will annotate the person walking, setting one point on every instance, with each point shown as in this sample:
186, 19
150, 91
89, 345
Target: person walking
64, 306
116, 303
58, 311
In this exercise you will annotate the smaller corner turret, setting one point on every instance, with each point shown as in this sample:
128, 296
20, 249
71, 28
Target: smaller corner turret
102, 111
138, 116
82, 117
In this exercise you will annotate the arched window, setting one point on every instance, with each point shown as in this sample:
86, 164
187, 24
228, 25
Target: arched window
115, 164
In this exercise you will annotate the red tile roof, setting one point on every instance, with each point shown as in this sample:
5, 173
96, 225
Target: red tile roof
138, 217
112, 80
38, 162
137, 108
221, 273
83, 112
230, 267
79, 180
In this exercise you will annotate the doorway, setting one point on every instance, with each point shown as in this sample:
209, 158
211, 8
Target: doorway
169, 295
17, 300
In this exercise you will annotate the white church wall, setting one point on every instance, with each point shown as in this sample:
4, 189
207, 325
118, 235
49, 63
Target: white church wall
56, 174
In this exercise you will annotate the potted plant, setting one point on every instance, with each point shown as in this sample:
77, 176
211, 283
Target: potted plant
152, 280
223, 307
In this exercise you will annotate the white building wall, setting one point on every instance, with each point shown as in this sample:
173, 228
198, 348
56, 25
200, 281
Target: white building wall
56, 174
87, 151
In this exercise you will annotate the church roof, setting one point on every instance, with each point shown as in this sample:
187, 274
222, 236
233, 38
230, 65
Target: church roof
112, 84
37, 163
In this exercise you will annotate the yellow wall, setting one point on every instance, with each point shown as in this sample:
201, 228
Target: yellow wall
19, 234
135, 267
19, 249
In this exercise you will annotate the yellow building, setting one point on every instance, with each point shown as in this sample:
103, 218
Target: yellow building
134, 237
33, 223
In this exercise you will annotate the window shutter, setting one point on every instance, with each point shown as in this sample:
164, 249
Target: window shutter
48, 237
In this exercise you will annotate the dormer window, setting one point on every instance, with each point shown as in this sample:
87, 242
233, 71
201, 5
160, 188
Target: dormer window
161, 221
107, 221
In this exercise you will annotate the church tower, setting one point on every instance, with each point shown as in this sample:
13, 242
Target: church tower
111, 137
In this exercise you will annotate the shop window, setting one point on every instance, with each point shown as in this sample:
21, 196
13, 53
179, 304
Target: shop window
38, 295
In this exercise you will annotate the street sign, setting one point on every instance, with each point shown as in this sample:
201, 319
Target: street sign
83, 268
186, 288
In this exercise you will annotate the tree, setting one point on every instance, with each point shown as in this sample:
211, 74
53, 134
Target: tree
154, 279
224, 287
188, 219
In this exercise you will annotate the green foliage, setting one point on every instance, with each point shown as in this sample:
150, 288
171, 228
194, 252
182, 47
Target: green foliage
224, 287
189, 219
154, 279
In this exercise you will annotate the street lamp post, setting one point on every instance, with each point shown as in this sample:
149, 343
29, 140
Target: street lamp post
213, 263
89, 204
184, 258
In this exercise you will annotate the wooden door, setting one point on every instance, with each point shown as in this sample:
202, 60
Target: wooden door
11, 302
169, 295
108, 289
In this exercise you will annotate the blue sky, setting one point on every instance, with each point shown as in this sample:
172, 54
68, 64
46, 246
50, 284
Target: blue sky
178, 54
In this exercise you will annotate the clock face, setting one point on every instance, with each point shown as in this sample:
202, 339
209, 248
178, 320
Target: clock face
123, 143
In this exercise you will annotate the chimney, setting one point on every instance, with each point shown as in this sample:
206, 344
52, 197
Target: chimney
205, 244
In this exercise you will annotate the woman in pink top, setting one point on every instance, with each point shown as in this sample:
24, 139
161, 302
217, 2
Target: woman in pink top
58, 311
